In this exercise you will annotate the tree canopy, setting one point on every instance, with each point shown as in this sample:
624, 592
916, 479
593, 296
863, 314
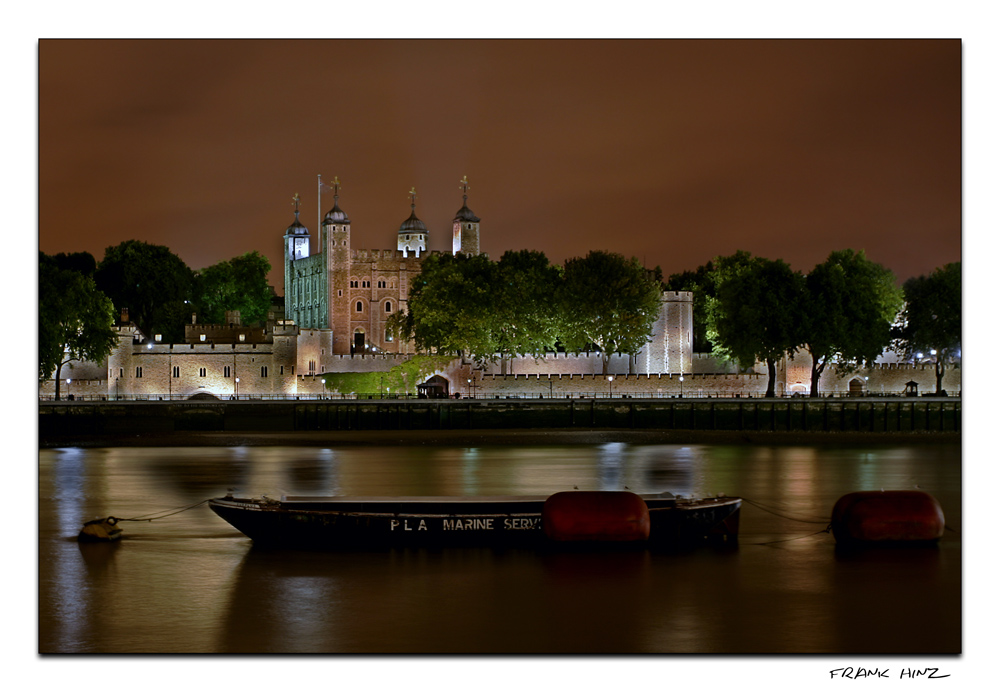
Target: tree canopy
932, 317
449, 305
608, 301
757, 314
75, 320
236, 284
851, 303
523, 319
150, 281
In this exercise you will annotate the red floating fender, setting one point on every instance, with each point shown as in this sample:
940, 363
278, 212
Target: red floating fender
887, 516
595, 516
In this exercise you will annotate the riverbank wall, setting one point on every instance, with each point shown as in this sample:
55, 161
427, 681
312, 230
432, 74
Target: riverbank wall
63, 420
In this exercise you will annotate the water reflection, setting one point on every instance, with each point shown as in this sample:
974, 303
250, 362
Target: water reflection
191, 583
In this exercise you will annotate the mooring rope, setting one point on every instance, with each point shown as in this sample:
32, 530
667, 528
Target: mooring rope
764, 508
169, 513
794, 538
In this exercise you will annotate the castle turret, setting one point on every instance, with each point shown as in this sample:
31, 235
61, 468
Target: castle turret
465, 226
296, 248
337, 232
412, 236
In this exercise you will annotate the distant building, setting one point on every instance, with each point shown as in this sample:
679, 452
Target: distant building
353, 292
336, 304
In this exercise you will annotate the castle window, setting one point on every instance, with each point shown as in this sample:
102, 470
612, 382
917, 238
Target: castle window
366, 284
202, 338
340, 292
243, 337
407, 237
226, 371
388, 306
158, 337
381, 284
263, 371
176, 371
121, 372
281, 370
312, 367
138, 371
358, 307
202, 372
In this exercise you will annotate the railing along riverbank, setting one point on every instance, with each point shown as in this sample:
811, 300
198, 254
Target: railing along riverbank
865, 415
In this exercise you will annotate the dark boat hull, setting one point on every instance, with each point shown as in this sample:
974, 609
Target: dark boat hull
375, 523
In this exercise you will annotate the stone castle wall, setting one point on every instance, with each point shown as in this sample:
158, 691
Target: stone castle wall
671, 385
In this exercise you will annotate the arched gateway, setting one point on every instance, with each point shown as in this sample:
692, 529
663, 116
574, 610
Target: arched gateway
436, 387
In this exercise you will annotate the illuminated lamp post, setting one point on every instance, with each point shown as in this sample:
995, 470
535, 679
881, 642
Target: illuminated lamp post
237, 388
682, 386
68, 395
322, 394
866, 385
610, 380
468, 389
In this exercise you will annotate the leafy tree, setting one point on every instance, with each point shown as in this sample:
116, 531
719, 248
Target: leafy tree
932, 317
717, 272
523, 317
236, 284
758, 313
449, 305
144, 278
82, 262
74, 320
608, 301
852, 303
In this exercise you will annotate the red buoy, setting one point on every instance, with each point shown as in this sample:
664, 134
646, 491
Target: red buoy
595, 516
878, 516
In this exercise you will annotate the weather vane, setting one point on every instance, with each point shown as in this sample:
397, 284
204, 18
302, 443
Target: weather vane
413, 196
464, 187
336, 185
295, 201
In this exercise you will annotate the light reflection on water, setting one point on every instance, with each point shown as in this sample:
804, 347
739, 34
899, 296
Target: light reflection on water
191, 583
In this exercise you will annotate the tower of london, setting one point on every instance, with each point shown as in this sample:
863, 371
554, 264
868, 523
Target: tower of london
352, 292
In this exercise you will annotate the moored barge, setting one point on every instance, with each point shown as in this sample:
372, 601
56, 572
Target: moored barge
330, 523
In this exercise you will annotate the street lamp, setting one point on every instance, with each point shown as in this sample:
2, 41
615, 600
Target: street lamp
321, 395
468, 390
682, 386
68, 395
610, 380
237, 388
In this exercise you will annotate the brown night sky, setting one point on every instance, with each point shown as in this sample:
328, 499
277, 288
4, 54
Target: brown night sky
673, 151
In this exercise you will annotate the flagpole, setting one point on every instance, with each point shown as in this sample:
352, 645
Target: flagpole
319, 209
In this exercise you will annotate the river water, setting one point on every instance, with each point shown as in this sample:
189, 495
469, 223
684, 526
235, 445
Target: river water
190, 583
